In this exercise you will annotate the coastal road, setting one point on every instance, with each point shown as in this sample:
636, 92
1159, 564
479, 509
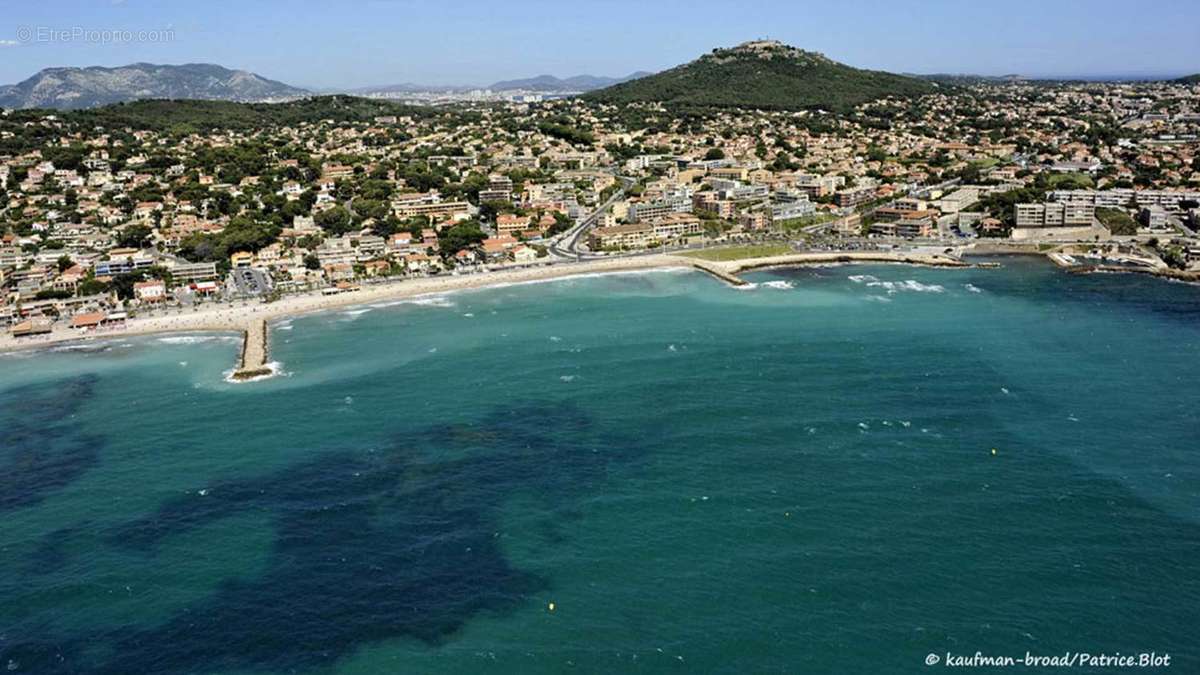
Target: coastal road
566, 245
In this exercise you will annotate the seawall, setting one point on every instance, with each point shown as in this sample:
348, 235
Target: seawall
253, 362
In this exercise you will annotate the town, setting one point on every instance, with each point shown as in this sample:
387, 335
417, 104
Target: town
112, 214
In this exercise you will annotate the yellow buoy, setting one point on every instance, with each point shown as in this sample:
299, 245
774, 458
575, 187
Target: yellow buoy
993, 451
551, 606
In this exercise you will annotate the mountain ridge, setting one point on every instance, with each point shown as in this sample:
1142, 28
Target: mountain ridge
72, 87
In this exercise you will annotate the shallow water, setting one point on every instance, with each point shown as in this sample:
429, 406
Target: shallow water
798, 477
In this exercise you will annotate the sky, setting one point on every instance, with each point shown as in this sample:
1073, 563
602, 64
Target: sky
341, 44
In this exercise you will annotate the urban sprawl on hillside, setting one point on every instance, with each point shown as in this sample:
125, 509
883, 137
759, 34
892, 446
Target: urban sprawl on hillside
104, 217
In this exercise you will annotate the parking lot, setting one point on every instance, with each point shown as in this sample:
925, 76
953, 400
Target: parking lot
249, 282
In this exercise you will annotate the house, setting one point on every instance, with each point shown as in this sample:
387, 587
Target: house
376, 268
524, 254
87, 322
205, 288
418, 262
507, 224
153, 290
241, 259
339, 272
32, 327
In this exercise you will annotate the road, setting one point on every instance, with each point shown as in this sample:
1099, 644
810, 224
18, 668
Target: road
566, 245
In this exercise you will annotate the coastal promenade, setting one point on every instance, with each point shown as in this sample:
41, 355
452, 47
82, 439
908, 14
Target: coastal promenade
252, 321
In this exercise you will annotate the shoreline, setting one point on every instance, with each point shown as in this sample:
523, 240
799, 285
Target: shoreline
225, 319
239, 320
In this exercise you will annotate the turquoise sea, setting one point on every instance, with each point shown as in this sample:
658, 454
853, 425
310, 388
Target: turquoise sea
797, 478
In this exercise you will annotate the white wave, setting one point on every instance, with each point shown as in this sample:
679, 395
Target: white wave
555, 338
275, 368
420, 301
87, 348
748, 286
878, 298
355, 313
973, 288
893, 287
779, 285
26, 354
861, 278
196, 339
587, 275
469, 315
435, 301
567, 378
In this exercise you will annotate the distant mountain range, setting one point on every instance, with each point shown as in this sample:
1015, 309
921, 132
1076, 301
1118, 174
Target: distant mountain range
554, 84
764, 74
545, 83
1188, 79
967, 79
72, 88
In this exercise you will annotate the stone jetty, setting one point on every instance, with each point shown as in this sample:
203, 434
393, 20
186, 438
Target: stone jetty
253, 362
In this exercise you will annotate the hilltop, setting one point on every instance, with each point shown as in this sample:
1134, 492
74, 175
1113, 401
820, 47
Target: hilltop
73, 88
764, 74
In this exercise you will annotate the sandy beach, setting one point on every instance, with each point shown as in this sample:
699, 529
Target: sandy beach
220, 317
223, 318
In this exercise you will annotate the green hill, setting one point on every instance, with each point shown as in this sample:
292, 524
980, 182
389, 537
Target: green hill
764, 74
192, 115
1190, 79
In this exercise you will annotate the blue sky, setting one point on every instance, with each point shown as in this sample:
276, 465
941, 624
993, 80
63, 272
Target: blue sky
350, 43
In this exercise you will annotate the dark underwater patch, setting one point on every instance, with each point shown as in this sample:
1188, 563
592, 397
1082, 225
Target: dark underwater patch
42, 447
370, 545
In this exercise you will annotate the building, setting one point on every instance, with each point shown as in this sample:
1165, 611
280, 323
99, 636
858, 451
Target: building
186, 273
792, 210
1170, 200
958, 200
642, 235
499, 189
651, 210
508, 224
123, 261
1153, 218
1055, 214
854, 197
154, 290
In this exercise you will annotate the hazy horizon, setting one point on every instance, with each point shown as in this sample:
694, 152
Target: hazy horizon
385, 42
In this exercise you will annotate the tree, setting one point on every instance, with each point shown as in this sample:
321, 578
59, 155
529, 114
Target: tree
134, 236
336, 220
312, 262
64, 263
714, 153
461, 236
